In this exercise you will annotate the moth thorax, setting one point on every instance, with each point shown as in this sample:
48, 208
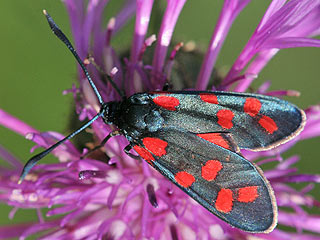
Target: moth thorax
110, 112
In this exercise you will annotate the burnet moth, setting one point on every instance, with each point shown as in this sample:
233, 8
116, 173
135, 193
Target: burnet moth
194, 139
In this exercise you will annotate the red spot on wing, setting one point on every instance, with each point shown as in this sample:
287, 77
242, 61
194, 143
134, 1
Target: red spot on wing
224, 201
248, 194
225, 117
209, 98
144, 153
215, 138
184, 179
252, 106
210, 170
167, 102
268, 124
155, 145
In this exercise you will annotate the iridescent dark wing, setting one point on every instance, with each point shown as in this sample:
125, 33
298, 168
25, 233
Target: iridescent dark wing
219, 178
256, 121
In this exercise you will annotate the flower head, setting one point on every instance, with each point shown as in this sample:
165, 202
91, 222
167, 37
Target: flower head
118, 197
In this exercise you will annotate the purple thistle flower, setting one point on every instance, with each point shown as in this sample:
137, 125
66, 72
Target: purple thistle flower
125, 198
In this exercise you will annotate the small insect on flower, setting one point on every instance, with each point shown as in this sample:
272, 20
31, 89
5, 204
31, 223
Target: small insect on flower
194, 139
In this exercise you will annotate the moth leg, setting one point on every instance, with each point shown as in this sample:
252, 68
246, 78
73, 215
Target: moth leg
104, 141
167, 86
127, 149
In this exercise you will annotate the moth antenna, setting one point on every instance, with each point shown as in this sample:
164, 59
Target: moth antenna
32, 161
57, 31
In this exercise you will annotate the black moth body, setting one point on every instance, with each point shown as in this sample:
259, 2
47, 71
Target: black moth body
194, 139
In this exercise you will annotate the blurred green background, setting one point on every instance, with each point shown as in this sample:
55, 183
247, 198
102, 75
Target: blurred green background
36, 68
